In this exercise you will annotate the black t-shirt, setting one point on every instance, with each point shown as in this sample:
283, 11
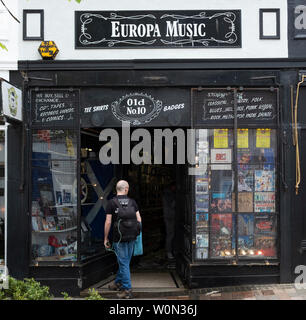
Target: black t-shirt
111, 209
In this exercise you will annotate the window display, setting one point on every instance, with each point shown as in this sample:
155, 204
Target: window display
246, 169
54, 196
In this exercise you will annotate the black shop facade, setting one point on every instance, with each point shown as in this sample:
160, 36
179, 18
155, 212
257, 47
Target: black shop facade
238, 218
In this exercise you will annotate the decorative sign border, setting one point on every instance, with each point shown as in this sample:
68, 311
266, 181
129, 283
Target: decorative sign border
163, 29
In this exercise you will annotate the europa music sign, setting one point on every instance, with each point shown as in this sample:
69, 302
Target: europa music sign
158, 29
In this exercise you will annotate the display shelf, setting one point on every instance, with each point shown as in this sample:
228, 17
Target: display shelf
64, 205
55, 231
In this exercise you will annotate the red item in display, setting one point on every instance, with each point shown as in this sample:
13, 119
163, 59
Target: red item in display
52, 241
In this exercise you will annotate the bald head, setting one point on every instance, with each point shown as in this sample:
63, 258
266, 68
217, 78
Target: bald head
122, 187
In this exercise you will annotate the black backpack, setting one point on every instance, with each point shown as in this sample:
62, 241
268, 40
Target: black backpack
126, 223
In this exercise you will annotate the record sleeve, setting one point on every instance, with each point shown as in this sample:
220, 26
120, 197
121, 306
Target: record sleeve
264, 201
245, 180
202, 202
201, 186
244, 158
202, 240
221, 247
201, 221
221, 202
201, 253
246, 242
266, 245
245, 224
264, 180
265, 224
245, 202
221, 224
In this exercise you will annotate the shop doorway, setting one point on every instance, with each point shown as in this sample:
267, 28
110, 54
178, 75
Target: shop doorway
148, 185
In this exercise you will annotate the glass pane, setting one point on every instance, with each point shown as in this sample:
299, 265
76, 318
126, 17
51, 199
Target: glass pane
246, 235
221, 236
215, 194
54, 210
54, 144
265, 234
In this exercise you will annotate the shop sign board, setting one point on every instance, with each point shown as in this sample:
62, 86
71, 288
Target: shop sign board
253, 106
138, 106
54, 107
158, 29
11, 98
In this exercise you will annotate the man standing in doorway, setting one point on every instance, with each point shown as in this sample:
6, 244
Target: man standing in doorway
169, 218
127, 223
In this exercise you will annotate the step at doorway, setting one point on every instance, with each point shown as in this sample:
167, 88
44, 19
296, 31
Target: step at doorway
146, 284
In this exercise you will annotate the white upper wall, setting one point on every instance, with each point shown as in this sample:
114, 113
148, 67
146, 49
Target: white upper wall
9, 37
60, 27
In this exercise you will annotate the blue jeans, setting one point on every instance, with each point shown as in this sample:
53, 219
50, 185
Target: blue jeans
124, 252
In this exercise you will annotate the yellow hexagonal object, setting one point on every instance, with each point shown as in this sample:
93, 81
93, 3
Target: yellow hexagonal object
48, 50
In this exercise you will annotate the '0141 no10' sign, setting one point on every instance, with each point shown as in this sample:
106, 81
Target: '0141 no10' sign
137, 108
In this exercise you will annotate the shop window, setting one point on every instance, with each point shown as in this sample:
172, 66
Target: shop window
54, 195
235, 204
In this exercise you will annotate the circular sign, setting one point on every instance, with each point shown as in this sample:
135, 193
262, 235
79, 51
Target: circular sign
136, 108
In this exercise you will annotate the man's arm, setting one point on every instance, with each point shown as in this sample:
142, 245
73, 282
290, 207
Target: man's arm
138, 216
107, 226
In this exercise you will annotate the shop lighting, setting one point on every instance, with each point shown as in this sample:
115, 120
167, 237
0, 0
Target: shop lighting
260, 253
227, 253
101, 198
243, 252
251, 252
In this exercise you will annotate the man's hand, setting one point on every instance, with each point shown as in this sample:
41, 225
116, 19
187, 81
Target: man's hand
107, 245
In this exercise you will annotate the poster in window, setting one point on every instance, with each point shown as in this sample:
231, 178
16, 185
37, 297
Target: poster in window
202, 240
221, 224
245, 202
221, 235
265, 224
244, 157
245, 244
245, 180
221, 138
201, 222
202, 201
221, 202
242, 138
246, 224
264, 201
202, 253
201, 186
264, 158
222, 180
264, 180
221, 155
265, 245
263, 138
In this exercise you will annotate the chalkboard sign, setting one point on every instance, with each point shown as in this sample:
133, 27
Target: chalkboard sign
54, 107
217, 106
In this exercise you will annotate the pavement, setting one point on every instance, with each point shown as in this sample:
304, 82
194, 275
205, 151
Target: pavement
256, 292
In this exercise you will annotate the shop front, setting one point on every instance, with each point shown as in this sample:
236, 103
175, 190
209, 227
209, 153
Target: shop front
162, 106
232, 200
